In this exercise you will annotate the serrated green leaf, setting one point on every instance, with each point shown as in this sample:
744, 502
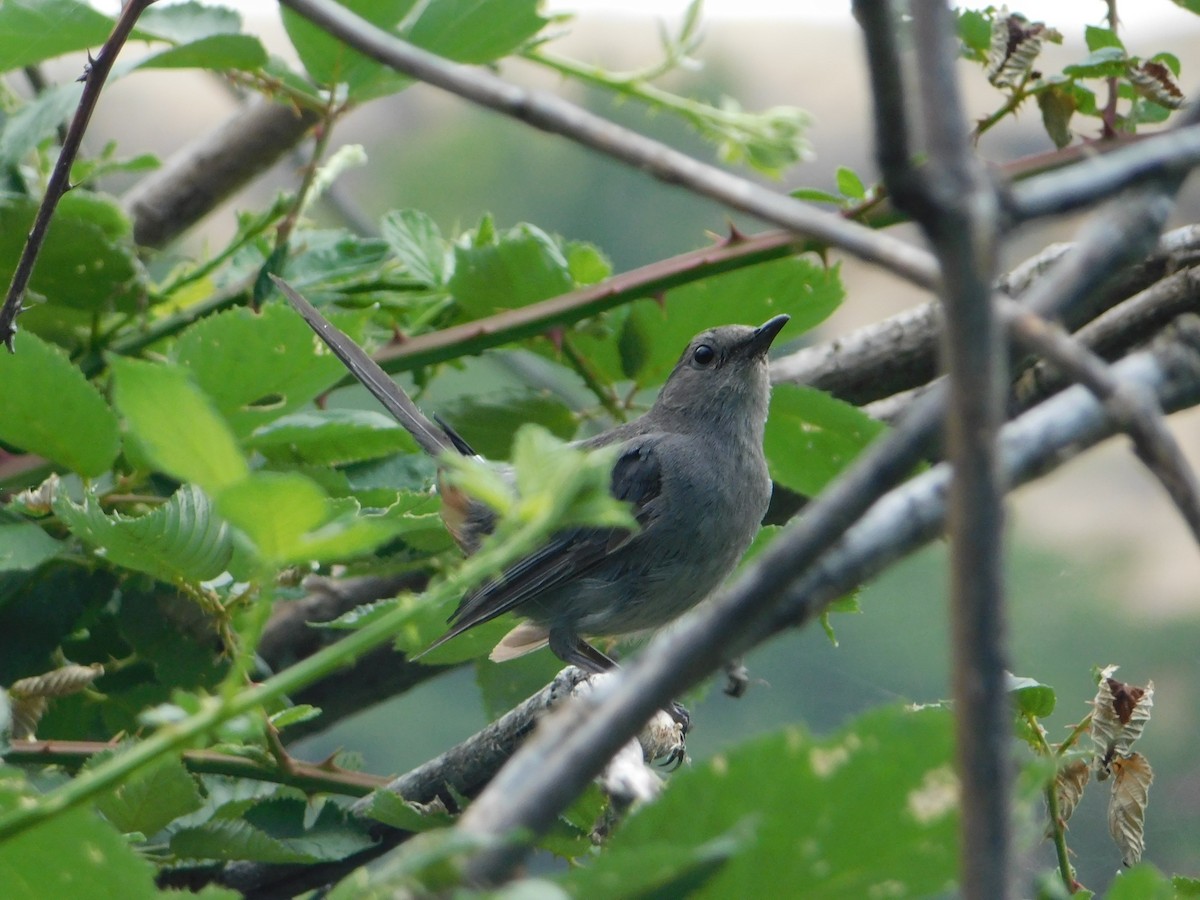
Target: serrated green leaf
176, 425
812, 436
54, 411
182, 539
850, 184
386, 807
524, 266
294, 715
258, 367
331, 437
73, 854
1185, 886
274, 831
415, 239
183, 23
217, 51
35, 30
37, 120
81, 265
24, 547
154, 797
1031, 697
879, 801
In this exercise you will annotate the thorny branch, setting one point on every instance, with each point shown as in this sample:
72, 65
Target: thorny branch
93, 78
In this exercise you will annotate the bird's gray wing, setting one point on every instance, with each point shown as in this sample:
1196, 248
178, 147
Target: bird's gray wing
636, 479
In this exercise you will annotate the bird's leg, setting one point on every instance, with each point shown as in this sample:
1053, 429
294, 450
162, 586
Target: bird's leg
575, 651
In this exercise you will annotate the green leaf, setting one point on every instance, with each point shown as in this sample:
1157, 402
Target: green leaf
35, 30
182, 23
812, 436
1102, 63
24, 547
1057, 105
218, 51
180, 540
1031, 697
258, 367
37, 120
415, 239
879, 807
476, 31
1185, 886
330, 62
83, 265
155, 796
814, 195
1097, 37
975, 31
294, 715
586, 263
386, 807
488, 422
331, 437
274, 831
50, 409
850, 184
524, 266
502, 686
72, 854
1142, 882
807, 291
289, 519
175, 424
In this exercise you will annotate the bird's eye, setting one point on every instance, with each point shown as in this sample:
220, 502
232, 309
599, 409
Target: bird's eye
703, 355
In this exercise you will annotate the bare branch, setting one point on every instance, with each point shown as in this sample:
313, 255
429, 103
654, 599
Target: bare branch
1170, 153
201, 175
1136, 411
94, 76
953, 201
555, 115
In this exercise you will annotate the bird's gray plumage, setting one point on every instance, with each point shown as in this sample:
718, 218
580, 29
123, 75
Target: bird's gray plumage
692, 469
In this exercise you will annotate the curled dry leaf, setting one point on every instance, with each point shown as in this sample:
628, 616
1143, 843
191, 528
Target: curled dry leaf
1068, 785
31, 696
1127, 806
1016, 43
1120, 713
1156, 83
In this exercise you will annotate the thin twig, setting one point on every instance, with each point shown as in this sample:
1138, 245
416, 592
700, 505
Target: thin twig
311, 778
553, 114
94, 76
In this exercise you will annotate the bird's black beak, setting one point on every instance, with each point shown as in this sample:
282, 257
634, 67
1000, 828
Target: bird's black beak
765, 334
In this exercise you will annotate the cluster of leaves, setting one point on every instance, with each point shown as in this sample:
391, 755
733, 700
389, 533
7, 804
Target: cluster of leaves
184, 470
1138, 91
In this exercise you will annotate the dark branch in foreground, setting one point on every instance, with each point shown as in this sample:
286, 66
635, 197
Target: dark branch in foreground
94, 76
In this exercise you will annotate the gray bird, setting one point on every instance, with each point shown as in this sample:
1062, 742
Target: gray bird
692, 469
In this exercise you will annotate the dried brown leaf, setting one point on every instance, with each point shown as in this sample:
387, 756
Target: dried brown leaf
1156, 82
1068, 785
68, 679
1120, 712
30, 697
1132, 776
1015, 45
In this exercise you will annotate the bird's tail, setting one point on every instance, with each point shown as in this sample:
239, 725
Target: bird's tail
432, 438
